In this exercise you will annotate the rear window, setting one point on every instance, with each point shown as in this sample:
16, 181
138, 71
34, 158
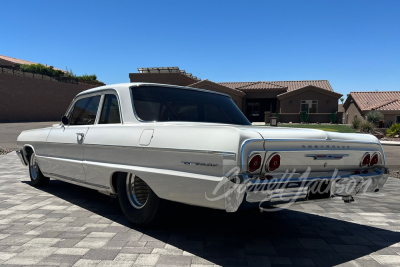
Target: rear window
154, 103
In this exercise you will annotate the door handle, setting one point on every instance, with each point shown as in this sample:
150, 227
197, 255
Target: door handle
80, 136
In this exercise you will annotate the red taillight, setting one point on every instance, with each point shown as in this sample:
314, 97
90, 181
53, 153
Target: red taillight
366, 160
274, 162
255, 163
374, 160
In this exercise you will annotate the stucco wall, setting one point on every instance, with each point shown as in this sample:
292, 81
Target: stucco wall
165, 78
326, 103
31, 99
351, 113
391, 117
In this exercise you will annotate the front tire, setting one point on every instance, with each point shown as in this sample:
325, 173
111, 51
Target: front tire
138, 202
37, 177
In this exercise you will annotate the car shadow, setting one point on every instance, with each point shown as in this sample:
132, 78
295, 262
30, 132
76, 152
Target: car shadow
245, 238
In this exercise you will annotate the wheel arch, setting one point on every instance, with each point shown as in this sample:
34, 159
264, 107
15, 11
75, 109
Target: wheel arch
114, 180
27, 151
123, 174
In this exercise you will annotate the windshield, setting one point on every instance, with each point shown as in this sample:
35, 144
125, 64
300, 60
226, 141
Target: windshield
154, 103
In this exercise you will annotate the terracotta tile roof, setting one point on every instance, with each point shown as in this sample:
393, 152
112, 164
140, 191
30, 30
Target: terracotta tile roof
394, 105
289, 85
385, 100
294, 85
226, 88
236, 85
262, 85
21, 61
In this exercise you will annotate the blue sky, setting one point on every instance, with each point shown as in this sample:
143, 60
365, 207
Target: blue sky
353, 44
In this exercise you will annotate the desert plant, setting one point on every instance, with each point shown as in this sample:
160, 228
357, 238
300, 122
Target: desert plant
374, 116
393, 130
333, 117
367, 127
304, 116
355, 124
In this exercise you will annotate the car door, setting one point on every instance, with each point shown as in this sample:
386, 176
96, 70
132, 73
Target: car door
102, 142
65, 142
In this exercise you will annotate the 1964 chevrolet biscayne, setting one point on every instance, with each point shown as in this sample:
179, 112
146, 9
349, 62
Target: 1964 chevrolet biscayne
148, 143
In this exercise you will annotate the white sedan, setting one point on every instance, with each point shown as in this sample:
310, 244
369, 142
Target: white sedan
148, 143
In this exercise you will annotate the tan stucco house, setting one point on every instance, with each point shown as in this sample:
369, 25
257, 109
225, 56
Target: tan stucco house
262, 99
358, 104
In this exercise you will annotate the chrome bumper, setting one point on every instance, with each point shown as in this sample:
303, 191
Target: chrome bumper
315, 186
22, 157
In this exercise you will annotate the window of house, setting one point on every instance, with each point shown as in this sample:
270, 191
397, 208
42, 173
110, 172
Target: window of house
253, 108
85, 110
110, 110
397, 119
311, 106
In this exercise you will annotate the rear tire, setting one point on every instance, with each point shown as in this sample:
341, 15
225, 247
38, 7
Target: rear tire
138, 202
37, 177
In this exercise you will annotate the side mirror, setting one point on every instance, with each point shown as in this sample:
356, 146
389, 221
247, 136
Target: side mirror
64, 120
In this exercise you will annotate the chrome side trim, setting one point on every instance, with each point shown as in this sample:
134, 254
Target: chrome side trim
319, 140
224, 154
69, 179
129, 168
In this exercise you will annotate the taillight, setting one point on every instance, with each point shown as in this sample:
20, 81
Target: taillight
255, 163
273, 162
366, 160
374, 160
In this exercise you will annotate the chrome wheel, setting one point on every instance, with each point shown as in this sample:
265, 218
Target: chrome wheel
34, 167
137, 191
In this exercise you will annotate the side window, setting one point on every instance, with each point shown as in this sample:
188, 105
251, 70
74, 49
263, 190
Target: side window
110, 110
85, 110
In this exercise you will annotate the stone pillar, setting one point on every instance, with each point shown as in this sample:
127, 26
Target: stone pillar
267, 116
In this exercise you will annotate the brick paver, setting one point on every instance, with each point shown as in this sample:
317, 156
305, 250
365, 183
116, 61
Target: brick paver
66, 225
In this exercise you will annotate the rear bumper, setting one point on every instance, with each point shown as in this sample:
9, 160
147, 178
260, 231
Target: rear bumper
310, 187
22, 157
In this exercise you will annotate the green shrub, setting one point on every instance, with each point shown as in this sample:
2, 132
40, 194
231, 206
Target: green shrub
367, 127
374, 116
41, 69
304, 116
333, 118
393, 130
50, 71
355, 124
85, 77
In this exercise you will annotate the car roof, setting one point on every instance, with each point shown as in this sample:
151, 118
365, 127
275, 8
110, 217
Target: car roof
124, 86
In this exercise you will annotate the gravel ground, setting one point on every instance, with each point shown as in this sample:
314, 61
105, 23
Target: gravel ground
4, 151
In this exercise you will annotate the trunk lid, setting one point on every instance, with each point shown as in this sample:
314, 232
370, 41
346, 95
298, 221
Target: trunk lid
318, 150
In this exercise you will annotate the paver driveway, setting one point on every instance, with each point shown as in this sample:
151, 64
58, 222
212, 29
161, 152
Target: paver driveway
66, 225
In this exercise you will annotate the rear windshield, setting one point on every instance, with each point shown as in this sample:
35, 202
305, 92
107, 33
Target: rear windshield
154, 103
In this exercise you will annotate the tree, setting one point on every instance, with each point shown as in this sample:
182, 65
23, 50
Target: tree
341, 99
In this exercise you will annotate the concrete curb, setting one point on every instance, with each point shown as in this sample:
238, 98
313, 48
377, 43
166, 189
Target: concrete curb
390, 143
